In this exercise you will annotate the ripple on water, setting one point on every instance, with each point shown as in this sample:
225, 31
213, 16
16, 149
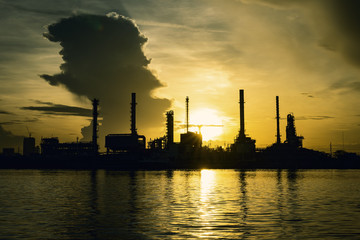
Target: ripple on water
225, 204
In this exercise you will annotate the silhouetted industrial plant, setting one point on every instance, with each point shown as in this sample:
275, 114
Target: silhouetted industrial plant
129, 151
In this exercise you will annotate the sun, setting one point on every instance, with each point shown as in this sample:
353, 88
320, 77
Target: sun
207, 121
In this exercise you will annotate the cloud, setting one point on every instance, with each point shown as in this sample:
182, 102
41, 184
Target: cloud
7, 139
309, 95
345, 16
59, 109
103, 58
346, 84
14, 122
314, 118
4, 112
336, 23
63, 8
38, 11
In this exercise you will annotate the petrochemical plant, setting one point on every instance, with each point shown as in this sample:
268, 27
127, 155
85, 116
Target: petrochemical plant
129, 150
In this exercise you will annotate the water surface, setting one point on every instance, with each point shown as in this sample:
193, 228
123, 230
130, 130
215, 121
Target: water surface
225, 204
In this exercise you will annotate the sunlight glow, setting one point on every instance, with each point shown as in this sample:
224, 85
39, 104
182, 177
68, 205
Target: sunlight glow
207, 121
207, 179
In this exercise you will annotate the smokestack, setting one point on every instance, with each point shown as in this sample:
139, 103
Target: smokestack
242, 115
95, 103
187, 114
133, 114
278, 140
170, 127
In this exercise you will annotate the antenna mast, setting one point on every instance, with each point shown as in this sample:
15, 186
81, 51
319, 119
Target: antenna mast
187, 114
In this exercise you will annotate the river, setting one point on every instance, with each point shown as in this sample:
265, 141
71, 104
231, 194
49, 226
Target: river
207, 204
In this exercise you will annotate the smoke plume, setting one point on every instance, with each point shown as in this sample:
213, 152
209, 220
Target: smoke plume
103, 58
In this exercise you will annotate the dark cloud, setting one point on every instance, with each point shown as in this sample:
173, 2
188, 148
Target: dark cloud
346, 84
346, 19
309, 95
314, 118
14, 122
59, 109
336, 22
7, 139
103, 58
4, 112
8, 123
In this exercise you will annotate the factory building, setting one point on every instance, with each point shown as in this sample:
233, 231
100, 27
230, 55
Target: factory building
124, 143
291, 138
165, 142
190, 139
157, 143
8, 151
133, 142
52, 146
243, 145
29, 146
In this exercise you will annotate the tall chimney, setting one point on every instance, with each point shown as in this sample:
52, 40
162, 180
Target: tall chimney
133, 114
278, 140
242, 115
187, 114
95, 103
170, 127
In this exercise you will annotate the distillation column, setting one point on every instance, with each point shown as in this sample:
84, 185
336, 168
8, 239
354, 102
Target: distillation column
278, 140
133, 114
170, 127
95, 103
242, 115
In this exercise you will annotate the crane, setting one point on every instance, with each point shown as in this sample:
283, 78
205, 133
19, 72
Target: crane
28, 132
202, 125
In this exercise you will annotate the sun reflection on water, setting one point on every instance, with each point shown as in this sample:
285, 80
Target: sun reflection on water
206, 207
207, 180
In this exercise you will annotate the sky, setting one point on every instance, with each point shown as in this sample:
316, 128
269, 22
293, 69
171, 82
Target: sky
58, 55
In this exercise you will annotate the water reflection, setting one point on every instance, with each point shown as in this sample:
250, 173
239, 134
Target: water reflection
206, 206
280, 202
132, 193
223, 204
293, 214
292, 194
93, 204
243, 228
206, 184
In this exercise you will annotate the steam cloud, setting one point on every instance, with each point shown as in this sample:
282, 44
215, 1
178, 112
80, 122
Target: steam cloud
7, 139
103, 58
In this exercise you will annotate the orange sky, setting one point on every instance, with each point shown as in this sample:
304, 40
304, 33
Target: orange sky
304, 52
